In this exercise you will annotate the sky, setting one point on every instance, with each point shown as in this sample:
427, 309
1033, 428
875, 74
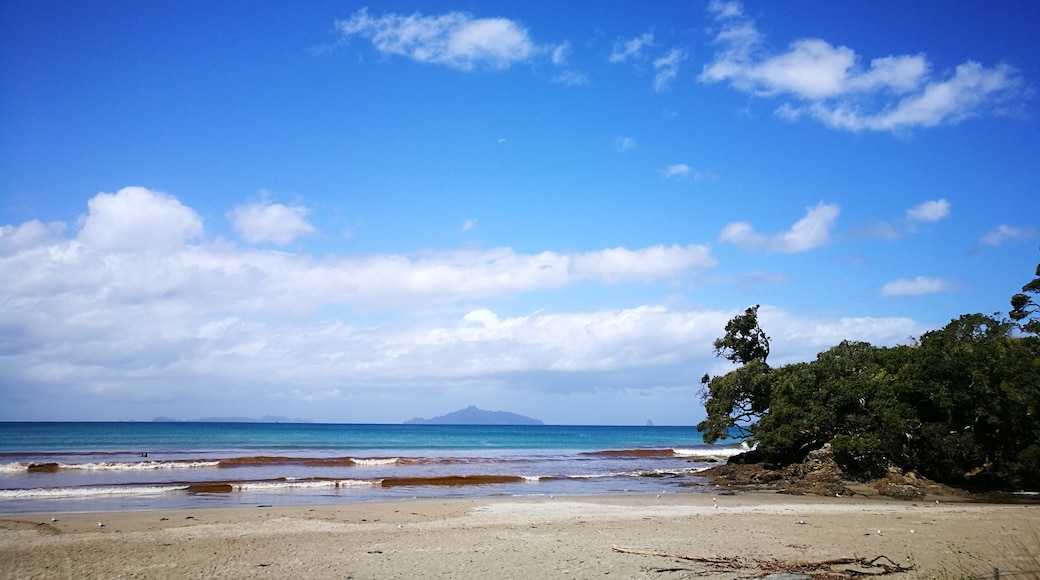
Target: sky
359, 212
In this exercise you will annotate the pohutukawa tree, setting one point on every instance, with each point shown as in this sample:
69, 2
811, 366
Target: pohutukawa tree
737, 399
1023, 306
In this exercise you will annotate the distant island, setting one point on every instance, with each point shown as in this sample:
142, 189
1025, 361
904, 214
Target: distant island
264, 419
473, 416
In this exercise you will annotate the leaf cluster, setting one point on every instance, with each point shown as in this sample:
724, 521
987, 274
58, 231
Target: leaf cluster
961, 406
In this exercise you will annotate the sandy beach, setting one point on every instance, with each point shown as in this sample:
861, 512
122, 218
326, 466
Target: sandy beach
575, 537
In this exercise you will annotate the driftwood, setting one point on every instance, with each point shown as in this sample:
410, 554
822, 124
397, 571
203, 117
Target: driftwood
883, 564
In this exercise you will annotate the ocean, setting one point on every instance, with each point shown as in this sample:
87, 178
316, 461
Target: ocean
82, 467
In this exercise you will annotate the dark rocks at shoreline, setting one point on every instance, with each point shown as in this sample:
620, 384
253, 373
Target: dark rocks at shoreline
819, 474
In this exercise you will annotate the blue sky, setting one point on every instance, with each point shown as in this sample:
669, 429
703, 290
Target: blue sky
353, 212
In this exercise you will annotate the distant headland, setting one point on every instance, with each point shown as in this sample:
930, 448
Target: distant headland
473, 416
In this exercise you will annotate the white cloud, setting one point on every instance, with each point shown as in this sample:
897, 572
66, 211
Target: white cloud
631, 49
677, 170
1004, 232
469, 225
622, 144
261, 222
31, 233
828, 82
808, 233
667, 68
929, 211
572, 78
725, 10
917, 286
135, 218
560, 53
117, 330
455, 39
218, 278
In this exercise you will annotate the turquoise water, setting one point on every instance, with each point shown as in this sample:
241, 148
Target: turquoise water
121, 466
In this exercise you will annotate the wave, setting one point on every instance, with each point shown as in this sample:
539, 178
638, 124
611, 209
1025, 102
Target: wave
452, 480
190, 488
706, 452
53, 466
73, 492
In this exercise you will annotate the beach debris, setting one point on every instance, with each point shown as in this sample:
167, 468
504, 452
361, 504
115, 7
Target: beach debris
912, 531
877, 566
801, 522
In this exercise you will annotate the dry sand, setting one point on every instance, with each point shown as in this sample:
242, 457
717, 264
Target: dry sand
521, 538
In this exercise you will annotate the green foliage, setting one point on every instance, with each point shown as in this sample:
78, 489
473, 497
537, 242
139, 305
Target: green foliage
734, 400
738, 398
1023, 306
744, 341
962, 406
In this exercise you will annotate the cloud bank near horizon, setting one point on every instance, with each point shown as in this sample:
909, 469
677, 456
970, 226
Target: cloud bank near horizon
140, 305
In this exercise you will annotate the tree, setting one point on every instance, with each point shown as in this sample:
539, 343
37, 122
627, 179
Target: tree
1023, 306
975, 390
744, 340
738, 398
845, 398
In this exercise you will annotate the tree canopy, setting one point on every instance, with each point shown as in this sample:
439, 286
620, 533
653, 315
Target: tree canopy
960, 406
1024, 307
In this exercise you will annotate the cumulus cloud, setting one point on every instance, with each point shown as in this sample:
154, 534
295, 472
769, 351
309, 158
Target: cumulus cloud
88, 328
1004, 232
631, 49
455, 39
274, 223
830, 83
135, 218
929, 211
31, 233
231, 279
810, 232
917, 286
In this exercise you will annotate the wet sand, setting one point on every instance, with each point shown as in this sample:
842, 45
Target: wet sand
570, 537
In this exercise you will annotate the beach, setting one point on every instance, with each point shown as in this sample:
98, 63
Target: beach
549, 537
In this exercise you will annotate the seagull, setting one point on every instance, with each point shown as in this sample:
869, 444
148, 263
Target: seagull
879, 532
912, 531
801, 522
100, 525
54, 519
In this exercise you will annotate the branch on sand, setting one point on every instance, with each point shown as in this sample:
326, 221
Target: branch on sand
876, 567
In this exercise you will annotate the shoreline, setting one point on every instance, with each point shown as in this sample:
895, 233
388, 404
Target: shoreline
520, 537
